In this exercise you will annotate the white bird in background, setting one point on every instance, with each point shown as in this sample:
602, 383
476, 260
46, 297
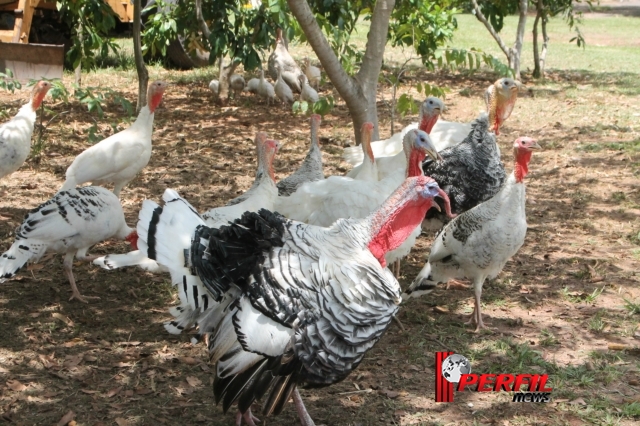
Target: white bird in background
119, 157
282, 89
397, 163
313, 73
15, 135
265, 89
479, 242
307, 94
71, 222
262, 193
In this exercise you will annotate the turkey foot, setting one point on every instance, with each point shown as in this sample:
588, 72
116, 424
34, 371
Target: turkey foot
455, 284
305, 418
248, 417
397, 320
87, 258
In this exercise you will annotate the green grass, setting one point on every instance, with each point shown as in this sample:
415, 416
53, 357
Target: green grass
611, 43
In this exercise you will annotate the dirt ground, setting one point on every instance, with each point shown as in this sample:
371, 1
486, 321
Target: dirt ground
556, 308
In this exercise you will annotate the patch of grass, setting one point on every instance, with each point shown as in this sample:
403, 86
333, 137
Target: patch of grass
631, 410
630, 146
548, 339
596, 323
632, 307
618, 196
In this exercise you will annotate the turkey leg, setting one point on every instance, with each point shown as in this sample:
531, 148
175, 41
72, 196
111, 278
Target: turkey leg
67, 265
476, 316
248, 417
305, 418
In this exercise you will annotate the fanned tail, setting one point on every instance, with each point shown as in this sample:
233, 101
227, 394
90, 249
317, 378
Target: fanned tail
18, 255
353, 155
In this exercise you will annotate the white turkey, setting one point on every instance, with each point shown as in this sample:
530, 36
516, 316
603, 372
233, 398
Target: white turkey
71, 222
323, 202
119, 157
429, 112
280, 58
479, 242
15, 135
282, 304
282, 89
313, 73
236, 83
307, 94
214, 86
499, 98
311, 168
265, 89
252, 86
262, 194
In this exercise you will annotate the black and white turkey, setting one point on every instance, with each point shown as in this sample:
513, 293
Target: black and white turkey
479, 242
281, 303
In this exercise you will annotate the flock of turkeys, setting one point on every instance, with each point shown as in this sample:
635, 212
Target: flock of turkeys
288, 283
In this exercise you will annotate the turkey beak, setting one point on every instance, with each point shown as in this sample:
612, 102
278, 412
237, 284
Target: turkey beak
435, 205
535, 145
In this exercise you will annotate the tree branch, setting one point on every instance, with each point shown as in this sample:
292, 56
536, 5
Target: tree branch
517, 46
491, 30
330, 62
545, 42
376, 42
203, 25
143, 74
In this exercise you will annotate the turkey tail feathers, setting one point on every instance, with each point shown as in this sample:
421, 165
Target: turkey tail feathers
18, 254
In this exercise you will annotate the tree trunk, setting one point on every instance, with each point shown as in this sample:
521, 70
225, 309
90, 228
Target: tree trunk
517, 46
480, 17
78, 70
143, 74
545, 42
536, 51
358, 92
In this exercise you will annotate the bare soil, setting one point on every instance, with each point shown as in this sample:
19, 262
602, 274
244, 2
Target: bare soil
111, 361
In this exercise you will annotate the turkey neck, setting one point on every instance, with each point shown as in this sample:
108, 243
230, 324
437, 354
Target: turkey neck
395, 220
427, 122
521, 167
414, 162
315, 124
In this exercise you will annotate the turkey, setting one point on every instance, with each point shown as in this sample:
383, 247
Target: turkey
500, 98
262, 194
265, 89
15, 135
252, 86
313, 73
307, 94
311, 168
282, 304
236, 83
470, 172
283, 91
429, 112
322, 203
479, 242
280, 58
71, 222
214, 86
119, 157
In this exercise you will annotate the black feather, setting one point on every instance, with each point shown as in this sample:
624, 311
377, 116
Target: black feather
470, 172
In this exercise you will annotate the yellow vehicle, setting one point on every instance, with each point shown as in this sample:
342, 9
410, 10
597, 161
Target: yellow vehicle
27, 59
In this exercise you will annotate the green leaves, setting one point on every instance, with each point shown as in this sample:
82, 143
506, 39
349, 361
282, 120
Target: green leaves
424, 25
58, 91
323, 106
473, 59
407, 104
95, 97
7, 82
160, 29
90, 22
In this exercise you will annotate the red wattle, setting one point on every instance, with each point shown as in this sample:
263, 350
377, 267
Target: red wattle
521, 167
156, 98
398, 228
414, 168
